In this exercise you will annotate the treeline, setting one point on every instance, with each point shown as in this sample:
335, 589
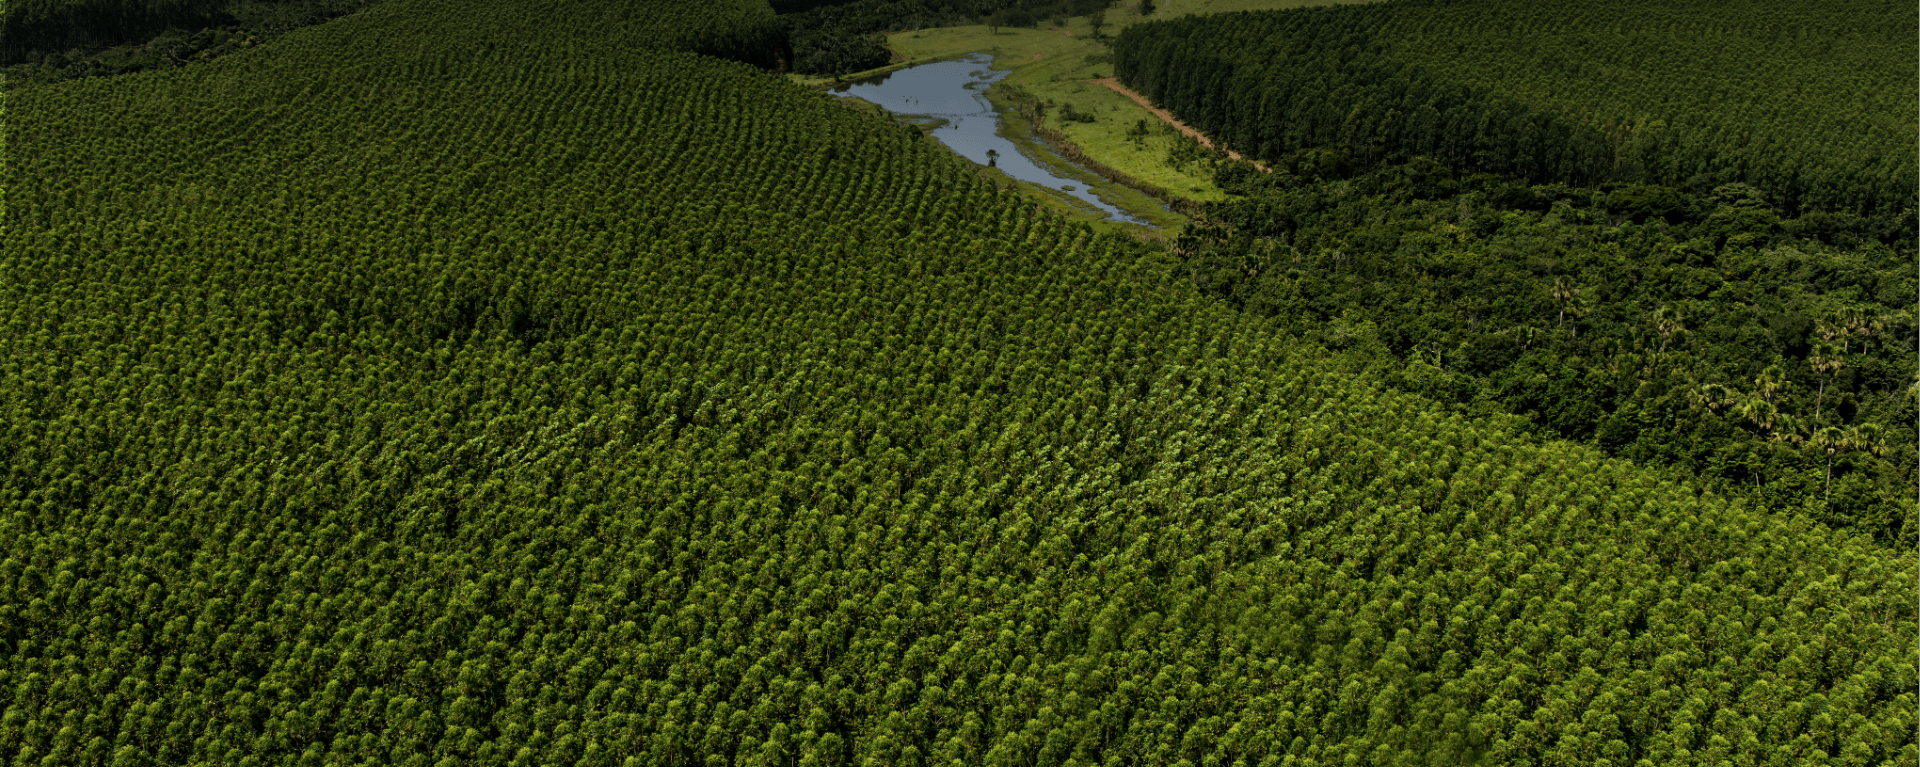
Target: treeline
1030, 108
54, 40
1801, 100
50, 42
839, 38
41, 26
1699, 328
479, 383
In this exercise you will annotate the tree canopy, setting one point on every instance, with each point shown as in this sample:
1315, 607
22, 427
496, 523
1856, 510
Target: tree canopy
1807, 101
508, 383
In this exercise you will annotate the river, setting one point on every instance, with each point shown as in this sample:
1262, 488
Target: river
950, 91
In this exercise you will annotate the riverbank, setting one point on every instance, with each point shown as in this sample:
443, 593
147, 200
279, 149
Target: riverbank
1124, 203
1057, 201
1068, 69
1058, 65
824, 82
950, 93
1030, 108
1018, 127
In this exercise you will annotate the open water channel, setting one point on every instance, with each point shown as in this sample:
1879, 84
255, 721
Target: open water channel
951, 91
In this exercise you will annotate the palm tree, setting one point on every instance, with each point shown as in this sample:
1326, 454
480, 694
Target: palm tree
1826, 360
993, 156
1714, 397
1759, 412
1833, 442
1770, 381
1867, 438
1667, 323
1563, 292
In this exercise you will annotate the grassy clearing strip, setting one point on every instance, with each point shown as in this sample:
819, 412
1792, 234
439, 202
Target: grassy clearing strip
1049, 198
1061, 65
1058, 64
1114, 85
1067, 58
1029, 108
1016, 128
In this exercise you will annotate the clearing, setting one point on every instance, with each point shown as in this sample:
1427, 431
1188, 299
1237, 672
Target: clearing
1114, 85
1067, 64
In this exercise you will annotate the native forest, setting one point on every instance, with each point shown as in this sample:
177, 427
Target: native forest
431, 383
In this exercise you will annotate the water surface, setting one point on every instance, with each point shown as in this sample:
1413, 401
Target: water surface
951, 91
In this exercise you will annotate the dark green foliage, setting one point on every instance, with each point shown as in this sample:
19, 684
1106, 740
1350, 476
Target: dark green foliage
740, 30
479, 383
1643, 202
1810, 102
835, 38
1070, 114
1638, 317
737, 29
834, 51
38, 27
1014, 17
801, 6
863, 16
1698, 204
51, 42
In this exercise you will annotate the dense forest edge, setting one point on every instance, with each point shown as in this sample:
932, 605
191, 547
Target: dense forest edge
1669, 300
51, 41
1663, 95
838, 38
573, 389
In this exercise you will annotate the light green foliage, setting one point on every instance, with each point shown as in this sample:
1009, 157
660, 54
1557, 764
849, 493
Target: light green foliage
549, 399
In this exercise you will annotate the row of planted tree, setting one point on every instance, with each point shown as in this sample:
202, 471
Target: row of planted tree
554, 397
1578, 93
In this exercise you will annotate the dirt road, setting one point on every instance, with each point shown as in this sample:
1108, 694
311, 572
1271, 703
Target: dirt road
1114, 85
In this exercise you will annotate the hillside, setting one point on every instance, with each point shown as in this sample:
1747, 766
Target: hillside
487, 383
1649, 226
1807, 101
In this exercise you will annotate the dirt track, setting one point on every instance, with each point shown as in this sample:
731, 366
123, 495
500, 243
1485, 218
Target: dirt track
1114, 85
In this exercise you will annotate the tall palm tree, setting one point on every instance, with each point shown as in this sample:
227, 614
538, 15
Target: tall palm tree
1826, 360
1770, 382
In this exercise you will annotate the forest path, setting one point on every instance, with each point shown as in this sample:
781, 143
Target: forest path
1114, 85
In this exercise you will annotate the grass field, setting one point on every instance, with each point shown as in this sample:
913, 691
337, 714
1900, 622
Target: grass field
1055, 63
1015, 128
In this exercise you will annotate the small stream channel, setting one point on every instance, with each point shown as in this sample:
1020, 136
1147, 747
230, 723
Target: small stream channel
950, 91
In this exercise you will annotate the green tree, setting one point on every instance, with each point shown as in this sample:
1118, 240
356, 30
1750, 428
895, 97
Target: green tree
1138, 133
1826, 360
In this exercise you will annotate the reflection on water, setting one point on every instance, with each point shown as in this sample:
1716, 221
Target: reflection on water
950, 91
